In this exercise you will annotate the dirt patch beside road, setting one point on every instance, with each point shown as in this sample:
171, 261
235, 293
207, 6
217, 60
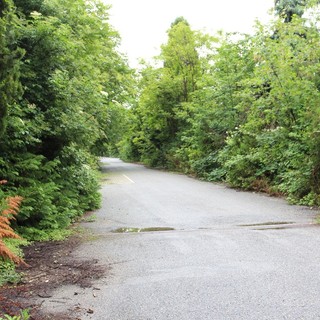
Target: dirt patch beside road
51, 266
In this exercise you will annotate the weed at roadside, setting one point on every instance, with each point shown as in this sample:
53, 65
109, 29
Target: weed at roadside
24, 315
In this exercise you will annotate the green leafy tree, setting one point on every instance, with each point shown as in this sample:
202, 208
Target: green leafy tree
9, 59
215, 109
72, 76
244, 109
160, 115
274, 150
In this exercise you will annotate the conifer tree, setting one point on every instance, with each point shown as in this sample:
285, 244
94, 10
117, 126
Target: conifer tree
286, 9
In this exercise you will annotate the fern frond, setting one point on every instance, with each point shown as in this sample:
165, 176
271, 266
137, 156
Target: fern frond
4, 223
13, 204
8, 212
7, 254
9, 234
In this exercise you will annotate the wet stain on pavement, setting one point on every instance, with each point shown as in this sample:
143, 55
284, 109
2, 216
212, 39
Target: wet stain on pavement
269, 223
277, 228
283, 225
137, 230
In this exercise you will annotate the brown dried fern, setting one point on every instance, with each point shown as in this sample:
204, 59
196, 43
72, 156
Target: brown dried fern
8, 210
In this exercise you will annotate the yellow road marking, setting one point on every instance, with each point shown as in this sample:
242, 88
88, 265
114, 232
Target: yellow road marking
128, 178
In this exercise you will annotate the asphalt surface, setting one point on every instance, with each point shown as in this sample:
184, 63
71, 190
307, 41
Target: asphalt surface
232, 255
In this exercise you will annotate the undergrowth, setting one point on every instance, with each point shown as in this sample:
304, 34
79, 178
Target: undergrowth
24, 315
8, 274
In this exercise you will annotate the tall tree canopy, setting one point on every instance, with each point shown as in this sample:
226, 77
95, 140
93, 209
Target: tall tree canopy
73, 81
160, 114
240, 108
286, 9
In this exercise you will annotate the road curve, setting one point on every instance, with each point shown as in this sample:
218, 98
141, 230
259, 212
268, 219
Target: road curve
225, 254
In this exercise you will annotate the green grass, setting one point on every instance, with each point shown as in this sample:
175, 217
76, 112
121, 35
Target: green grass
24, 315
8, 272
90, 218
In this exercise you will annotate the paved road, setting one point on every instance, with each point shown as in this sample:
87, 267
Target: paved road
231, 255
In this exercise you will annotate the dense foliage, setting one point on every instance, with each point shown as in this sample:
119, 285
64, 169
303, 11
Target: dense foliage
62, 85
238, 108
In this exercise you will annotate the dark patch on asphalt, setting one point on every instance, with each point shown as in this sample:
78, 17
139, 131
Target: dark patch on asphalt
291, 226
138, 230
276, 228
269, 223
